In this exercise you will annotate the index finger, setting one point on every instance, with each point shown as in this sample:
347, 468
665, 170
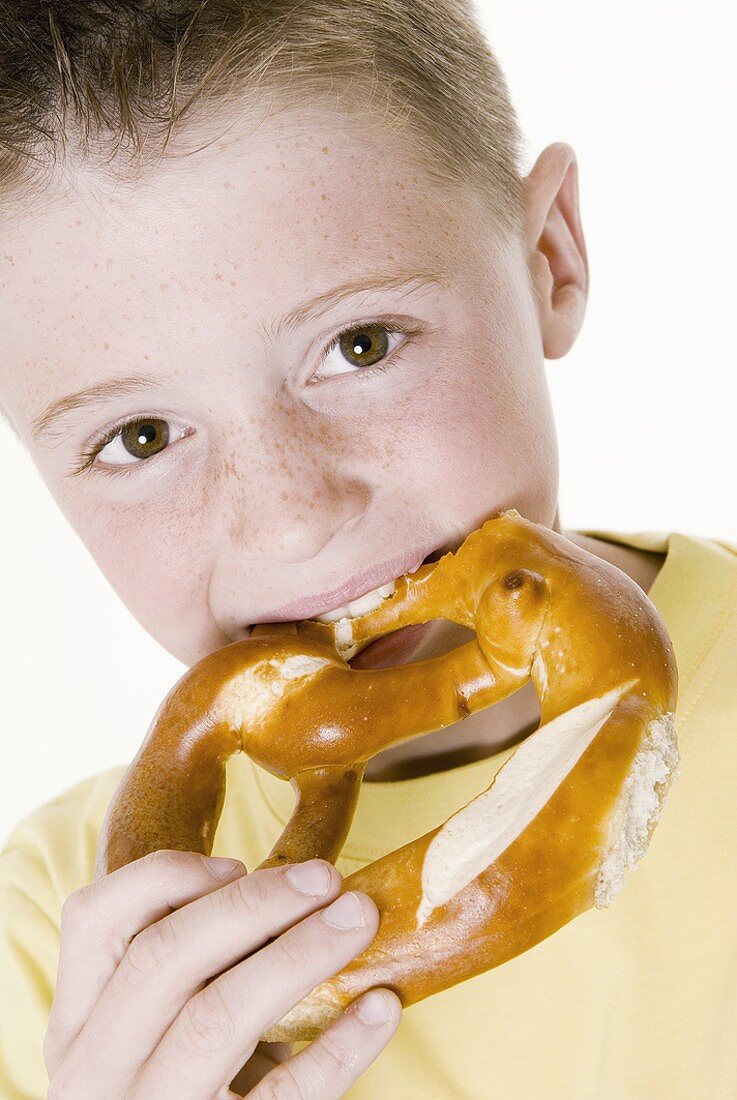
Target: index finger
99, 921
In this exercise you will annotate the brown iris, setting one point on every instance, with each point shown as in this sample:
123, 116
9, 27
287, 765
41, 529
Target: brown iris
144, 438
368, 344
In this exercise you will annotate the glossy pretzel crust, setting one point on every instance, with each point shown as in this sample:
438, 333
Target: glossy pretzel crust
542, 609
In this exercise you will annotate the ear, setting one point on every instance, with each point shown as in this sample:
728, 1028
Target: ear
555, 248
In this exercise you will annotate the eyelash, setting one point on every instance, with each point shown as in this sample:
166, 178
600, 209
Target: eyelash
389, 324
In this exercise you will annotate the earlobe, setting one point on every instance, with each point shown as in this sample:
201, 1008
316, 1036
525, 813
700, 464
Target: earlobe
556, 250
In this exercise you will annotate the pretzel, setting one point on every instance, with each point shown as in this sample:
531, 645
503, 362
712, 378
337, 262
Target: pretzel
566, 815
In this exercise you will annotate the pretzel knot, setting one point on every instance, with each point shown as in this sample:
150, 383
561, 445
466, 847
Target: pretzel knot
566, 815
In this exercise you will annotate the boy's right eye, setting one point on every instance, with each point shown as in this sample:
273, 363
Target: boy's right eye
134, 441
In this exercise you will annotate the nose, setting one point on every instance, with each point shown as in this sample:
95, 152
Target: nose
301, 528
277, 527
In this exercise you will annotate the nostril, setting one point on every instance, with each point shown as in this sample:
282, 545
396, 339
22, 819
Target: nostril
435, 556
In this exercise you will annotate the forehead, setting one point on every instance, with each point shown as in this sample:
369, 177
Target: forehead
305, 190
267, 213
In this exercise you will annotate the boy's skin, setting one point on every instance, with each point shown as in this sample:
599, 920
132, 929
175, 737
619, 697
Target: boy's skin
286, 488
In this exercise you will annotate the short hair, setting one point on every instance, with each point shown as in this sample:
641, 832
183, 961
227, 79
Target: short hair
115, 83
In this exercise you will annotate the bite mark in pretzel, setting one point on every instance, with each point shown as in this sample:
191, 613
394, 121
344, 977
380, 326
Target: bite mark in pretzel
571, 809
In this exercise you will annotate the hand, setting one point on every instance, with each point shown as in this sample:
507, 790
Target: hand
171, 968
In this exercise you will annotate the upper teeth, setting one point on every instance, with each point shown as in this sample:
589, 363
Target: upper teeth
362, 606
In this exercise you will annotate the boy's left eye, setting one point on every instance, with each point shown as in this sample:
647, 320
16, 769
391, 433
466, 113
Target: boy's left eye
363, 346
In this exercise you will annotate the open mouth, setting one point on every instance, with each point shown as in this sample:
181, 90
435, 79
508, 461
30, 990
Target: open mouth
391, 649
399, 646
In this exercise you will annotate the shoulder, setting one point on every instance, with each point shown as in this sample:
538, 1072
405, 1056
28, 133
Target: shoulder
50, 853
696, 594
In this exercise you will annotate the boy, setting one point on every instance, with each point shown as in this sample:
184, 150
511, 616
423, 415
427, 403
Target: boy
304, 338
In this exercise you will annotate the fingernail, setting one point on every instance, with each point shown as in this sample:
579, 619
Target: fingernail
346, 912
373, 1009
223, 868
311, 877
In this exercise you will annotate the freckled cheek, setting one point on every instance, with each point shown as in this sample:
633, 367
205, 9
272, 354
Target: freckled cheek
480, 439
156, 559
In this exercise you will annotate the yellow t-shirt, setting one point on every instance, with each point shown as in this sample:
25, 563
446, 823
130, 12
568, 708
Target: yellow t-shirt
635, 1001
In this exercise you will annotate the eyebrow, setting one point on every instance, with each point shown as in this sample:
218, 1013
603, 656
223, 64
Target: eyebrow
44, 424
314, 307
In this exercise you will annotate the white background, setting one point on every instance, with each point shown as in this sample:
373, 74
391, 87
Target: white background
645, 401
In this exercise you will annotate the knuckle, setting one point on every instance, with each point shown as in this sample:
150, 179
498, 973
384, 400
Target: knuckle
291, 950
77, 911
149, 951
284, 1083
168, 861
207, 1023
58, 1037
61, 1087
249, 894
337, 1053
49, 1047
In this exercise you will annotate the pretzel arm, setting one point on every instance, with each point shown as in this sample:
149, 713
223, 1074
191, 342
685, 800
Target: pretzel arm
169, 798
442, 691
391, 705
322, 816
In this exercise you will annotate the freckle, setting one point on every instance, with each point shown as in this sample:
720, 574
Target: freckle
146, 357
325, 149
323, 197
284, 496
227, 185
8, 257
232, 282
163, 286
106, 347
218, 276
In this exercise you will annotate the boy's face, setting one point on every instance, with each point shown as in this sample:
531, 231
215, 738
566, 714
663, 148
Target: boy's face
288, 468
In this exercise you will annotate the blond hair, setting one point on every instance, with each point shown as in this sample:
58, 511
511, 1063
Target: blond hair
115, 82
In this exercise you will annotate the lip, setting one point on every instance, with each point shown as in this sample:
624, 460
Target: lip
308, 606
